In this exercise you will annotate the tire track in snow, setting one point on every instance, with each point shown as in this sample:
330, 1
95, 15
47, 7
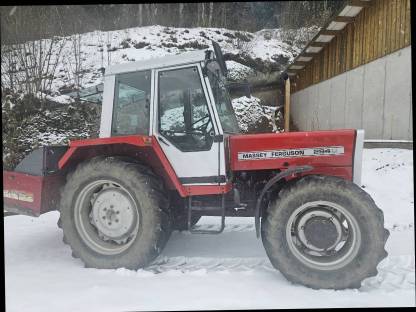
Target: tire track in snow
228, 227
395, 272
250, 227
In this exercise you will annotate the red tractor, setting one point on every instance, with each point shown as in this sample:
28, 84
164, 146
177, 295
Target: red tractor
170, 151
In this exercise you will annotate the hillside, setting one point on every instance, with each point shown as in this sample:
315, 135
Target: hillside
77, 62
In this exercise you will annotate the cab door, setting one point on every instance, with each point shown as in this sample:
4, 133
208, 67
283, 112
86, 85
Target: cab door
185, 126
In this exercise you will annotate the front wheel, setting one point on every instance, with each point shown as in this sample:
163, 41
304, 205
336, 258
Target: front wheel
324, 232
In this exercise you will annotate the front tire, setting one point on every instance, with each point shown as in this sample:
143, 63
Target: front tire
114, 214
324, 232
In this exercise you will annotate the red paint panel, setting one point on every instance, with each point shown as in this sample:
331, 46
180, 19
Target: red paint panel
342, 172
43, 190
192, 190
292, 140
65, 158
18, 183
167, 168
153, 155
139, 140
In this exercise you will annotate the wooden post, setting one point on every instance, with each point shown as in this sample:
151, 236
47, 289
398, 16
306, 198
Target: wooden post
287, 104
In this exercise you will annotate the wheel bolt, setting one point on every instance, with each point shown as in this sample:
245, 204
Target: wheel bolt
111, 206
117, 212
116, 220
109, 223
105, 208
104, 218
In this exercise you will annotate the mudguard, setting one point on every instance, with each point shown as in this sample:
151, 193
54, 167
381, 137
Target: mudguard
289, 171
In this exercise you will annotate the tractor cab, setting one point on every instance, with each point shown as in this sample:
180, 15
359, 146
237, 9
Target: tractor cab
182, 101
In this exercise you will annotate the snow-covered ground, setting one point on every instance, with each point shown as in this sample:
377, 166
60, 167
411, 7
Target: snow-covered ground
226, 271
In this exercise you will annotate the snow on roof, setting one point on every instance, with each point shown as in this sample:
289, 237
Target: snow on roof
157, 62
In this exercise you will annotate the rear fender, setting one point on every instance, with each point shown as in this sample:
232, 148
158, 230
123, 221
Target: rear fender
144, 149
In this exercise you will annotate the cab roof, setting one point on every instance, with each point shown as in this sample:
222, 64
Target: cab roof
157, 62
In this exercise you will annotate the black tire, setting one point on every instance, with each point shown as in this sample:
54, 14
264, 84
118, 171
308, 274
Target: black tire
365, 249
147, 195
180, 222
179, 214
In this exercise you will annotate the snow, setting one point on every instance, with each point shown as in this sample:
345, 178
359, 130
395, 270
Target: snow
102, 48
209, 272
249, 111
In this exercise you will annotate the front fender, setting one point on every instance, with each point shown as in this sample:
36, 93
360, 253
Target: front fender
289, 171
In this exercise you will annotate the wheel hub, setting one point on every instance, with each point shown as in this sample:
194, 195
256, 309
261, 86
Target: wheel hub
113, 214
319, 230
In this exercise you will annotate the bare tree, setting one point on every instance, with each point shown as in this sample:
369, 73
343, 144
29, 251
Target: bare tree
180, 14
211, 10
140, 14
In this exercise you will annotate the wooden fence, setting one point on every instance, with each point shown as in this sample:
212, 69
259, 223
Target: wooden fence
377, 30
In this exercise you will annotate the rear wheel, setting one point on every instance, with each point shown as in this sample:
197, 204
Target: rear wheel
324, 232
114, 214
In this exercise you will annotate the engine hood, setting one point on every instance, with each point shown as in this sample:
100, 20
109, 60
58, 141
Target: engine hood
332, 148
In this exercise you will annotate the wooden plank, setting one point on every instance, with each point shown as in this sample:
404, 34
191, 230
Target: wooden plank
300, 63
376, 29
402, 22
364, 4
397, 28
356, 39
331, 59
379, 28
393, 26
370, 41
388, 27
318, 44
361, 48
407, 27
308, 54
342, 52
364, 30
338, 56
323, 64
287, 104
326, 32
384, 41
373, 33
347, 46
351, 46
344, 19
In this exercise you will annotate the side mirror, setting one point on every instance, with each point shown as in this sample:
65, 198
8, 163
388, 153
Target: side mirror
220, 58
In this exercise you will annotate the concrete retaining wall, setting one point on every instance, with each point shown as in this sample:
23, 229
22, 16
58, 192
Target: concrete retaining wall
376, 97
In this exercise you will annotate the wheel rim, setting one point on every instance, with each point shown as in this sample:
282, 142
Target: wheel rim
323, 235
106, 217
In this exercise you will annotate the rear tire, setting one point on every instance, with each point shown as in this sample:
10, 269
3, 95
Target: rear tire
131, 200
324, 232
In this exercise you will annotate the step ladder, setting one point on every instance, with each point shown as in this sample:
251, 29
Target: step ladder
196, 208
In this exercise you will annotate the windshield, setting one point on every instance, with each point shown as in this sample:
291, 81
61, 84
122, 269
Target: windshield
222, 101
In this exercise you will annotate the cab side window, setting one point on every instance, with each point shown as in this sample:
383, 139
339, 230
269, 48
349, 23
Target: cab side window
184, 117
131, 109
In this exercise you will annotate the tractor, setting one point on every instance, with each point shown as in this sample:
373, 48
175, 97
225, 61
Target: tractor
170, 151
